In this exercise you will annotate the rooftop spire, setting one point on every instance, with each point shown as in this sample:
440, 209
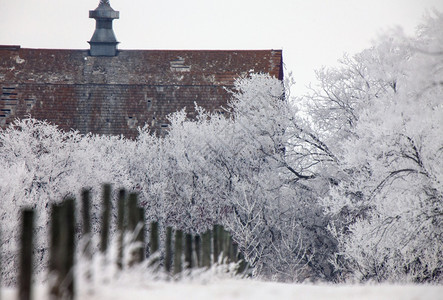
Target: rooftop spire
103, 41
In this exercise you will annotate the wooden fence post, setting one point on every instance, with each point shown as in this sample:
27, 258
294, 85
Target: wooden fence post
26, 254
168, 249
154, 243
86, 218
86, 234
227, 242
206, 249
132, 222
132, 212
216, 242
243, 265
188, 251
233, 252
178, 251
136, 227
198, 247
61, 263
120, 227
141, 235
54, 260
106, 212
70, 244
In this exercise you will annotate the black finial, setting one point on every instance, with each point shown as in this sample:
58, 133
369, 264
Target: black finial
104, 2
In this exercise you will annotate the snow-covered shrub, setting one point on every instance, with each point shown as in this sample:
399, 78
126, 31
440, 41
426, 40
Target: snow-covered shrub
388, 204
232, 169
40, 165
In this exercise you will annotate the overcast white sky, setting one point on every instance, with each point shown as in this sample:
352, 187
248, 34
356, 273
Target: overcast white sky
311, 33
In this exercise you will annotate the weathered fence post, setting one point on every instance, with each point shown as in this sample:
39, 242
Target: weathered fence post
132, 212
154, 243
87, 236
206, 249
198, 246
141, 235
233, 250
168, 249
61, 263
178, 251
54, 259
227, 242
136, 228
132, 223
218, 241
106, 212
120, 227
70, 244
243, 265
86, 218
26, 255
215, 241
188, 251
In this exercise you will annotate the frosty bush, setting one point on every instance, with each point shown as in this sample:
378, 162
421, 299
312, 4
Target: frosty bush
40, 165
235, 169
388, 204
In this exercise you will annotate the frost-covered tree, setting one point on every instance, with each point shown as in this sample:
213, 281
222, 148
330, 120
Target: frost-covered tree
242, 169
40, 165
239, 169
35, 159
387, 204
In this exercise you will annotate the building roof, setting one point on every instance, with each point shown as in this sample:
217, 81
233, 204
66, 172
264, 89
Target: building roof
115, 95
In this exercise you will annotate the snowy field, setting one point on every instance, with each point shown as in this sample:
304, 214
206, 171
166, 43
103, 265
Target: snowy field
249, 289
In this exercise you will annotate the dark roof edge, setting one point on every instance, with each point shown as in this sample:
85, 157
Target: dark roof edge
17, 47
10, 47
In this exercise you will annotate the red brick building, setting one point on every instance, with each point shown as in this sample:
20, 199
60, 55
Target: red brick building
108, 91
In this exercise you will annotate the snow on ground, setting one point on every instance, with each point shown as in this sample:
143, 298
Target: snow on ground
248, 289
216, 283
